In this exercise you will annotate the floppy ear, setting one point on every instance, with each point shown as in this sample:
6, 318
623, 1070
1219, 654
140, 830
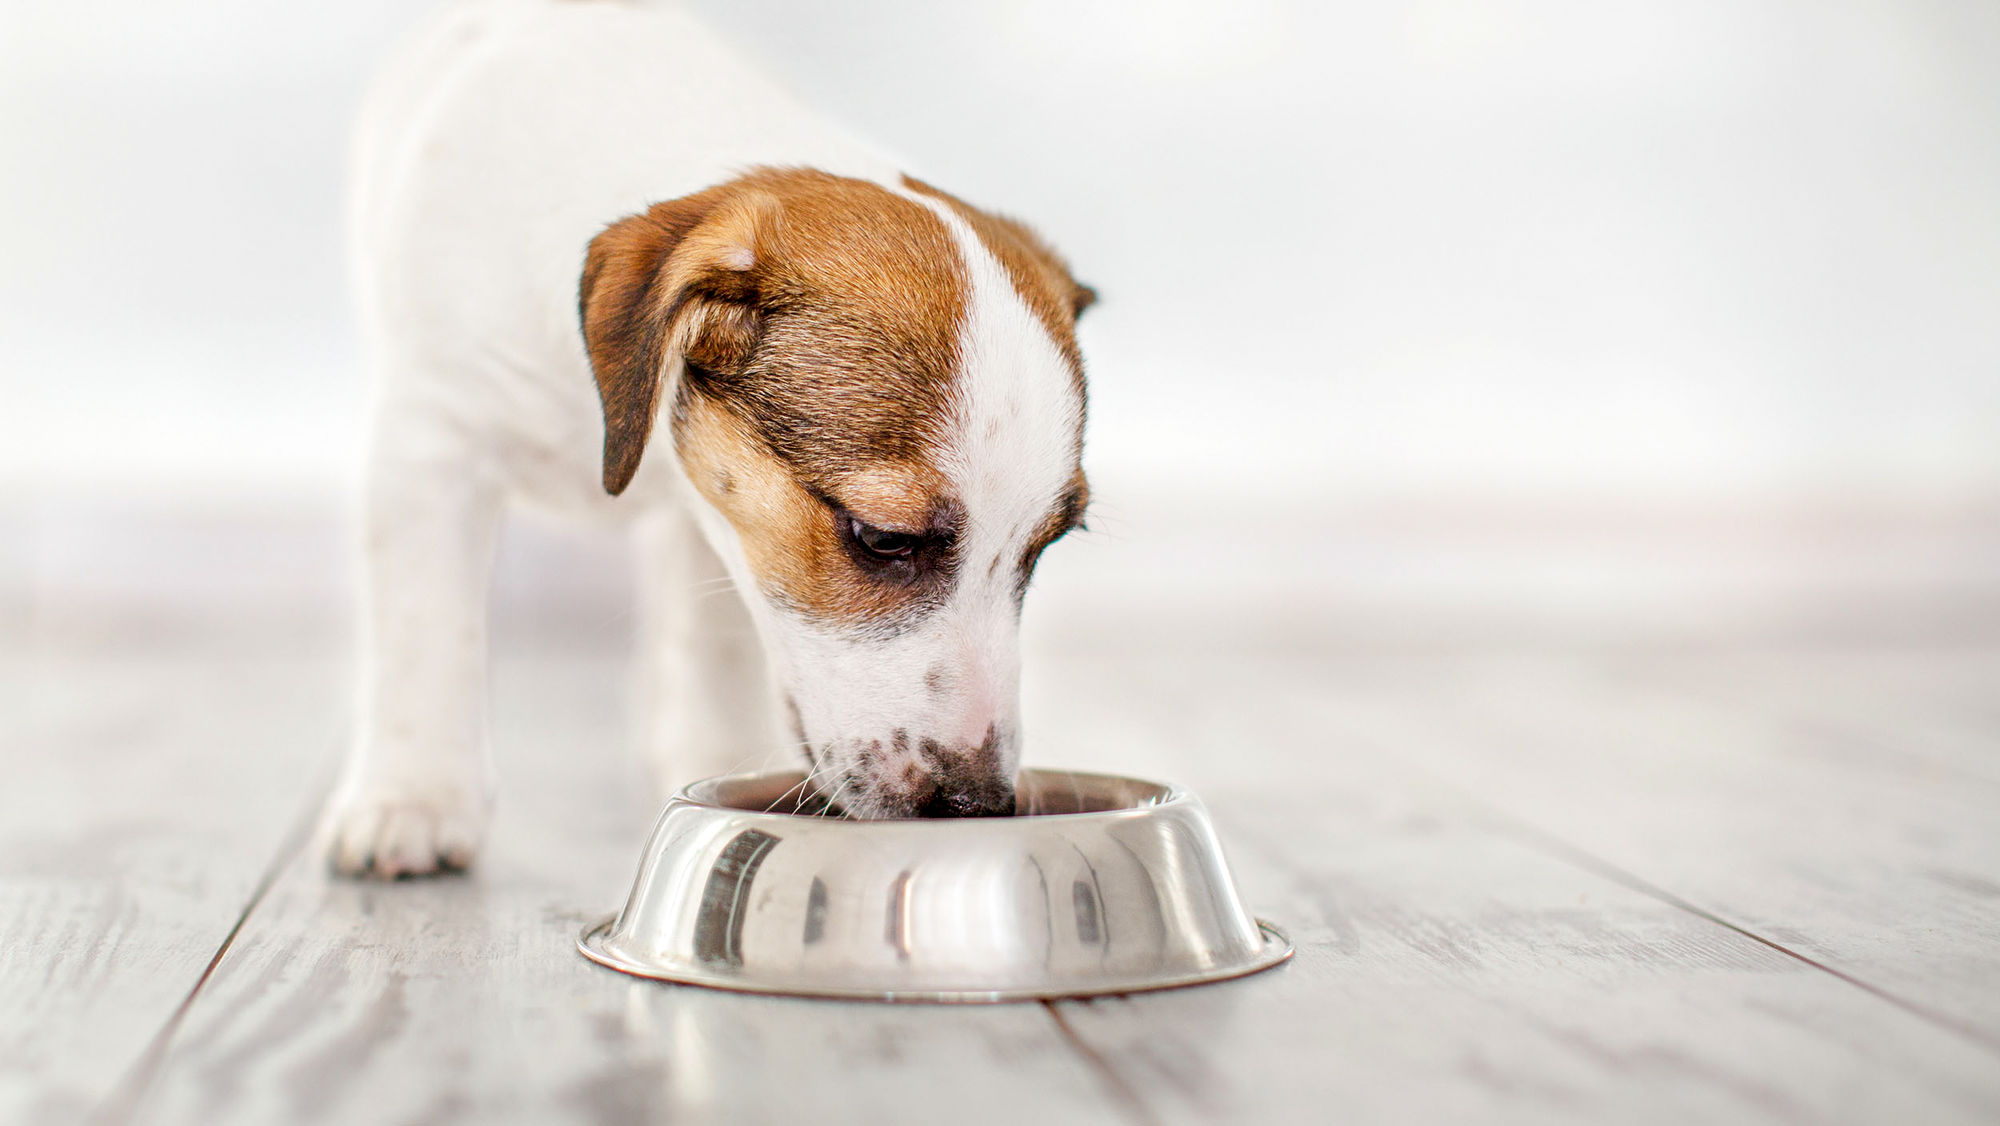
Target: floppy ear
674, 284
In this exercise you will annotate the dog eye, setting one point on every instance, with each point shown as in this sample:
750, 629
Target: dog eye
881, 543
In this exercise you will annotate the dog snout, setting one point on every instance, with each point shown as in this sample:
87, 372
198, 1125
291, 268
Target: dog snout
911, 776
967, 783
946, 801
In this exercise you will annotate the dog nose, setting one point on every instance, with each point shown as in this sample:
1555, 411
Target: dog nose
992, 802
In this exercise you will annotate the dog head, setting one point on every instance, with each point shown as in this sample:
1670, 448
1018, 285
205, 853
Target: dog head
878, 397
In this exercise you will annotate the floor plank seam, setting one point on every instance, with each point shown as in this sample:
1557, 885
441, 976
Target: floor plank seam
1121, 1090
123, 1101
1563, 850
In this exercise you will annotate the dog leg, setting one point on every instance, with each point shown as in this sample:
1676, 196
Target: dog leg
417, 789
704, 694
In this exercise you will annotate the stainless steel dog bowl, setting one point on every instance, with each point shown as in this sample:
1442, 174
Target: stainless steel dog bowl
1102, 885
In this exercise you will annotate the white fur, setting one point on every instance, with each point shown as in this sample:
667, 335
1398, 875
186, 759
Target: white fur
1009, 455
489, 155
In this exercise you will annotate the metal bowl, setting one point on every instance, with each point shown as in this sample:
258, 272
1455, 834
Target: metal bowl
1101, 885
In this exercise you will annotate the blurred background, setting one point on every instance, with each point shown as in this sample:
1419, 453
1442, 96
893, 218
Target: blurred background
1520, 315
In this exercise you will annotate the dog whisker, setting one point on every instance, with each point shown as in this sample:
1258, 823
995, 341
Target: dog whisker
709, 588
798, 787
833, 802
804, 786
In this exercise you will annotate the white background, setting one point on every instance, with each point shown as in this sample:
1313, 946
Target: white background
1609, 249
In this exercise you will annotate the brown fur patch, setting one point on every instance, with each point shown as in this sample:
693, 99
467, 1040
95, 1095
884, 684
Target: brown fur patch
826, 309
652, 288
1039, 274
816, 319
814, 322
861, 295
789, 535
895, 496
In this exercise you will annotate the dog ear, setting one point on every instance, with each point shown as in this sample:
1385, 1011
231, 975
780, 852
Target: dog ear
675, 284
1083, 298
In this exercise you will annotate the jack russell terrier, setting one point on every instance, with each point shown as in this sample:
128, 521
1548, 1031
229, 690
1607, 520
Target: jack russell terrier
863, 397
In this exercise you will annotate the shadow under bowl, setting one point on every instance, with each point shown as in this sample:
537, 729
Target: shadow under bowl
1100, 884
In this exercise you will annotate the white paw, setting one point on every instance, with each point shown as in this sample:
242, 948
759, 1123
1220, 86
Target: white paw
392, 831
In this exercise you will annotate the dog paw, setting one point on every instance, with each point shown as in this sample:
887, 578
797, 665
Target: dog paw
387, 833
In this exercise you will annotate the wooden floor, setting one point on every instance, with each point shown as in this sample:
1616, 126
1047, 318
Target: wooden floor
1731, 855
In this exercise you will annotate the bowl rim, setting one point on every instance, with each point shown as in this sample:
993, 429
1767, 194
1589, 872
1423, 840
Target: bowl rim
1277, 948
1172, 794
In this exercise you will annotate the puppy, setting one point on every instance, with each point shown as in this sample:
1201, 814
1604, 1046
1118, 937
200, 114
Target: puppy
587, 229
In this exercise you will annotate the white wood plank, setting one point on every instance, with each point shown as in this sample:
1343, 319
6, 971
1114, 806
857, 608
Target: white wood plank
1384, 801
1448, 969
1877, 861
1901, 710
464, 999
146, 785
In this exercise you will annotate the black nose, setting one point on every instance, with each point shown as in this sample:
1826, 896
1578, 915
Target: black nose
958, 803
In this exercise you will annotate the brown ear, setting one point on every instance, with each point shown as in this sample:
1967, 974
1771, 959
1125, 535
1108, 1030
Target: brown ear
672, 283
1082, 299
